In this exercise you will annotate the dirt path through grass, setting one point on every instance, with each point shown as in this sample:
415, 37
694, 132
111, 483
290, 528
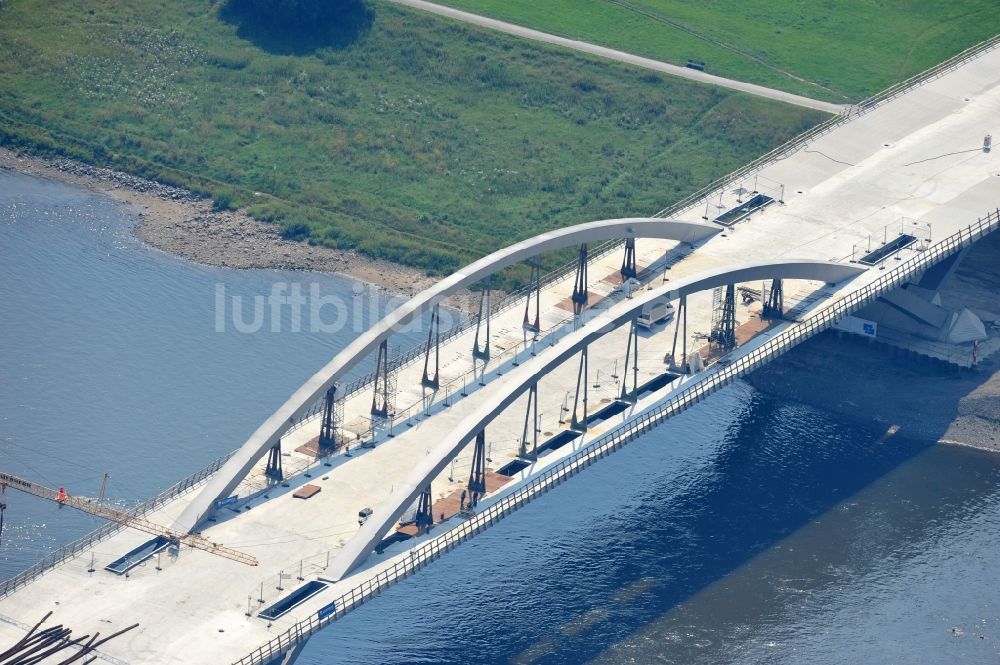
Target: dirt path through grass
659, 18
621, 56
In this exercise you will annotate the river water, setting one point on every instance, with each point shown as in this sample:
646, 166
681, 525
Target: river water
746, 530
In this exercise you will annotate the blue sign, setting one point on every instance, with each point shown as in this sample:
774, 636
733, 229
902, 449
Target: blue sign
869, 329
327, 610
228, 501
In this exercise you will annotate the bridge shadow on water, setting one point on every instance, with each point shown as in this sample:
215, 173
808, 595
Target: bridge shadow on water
763, 484
635, 537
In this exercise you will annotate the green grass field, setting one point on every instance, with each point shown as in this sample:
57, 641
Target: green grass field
425, 142
837, 50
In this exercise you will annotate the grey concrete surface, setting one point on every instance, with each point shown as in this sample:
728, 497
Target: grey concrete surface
518, 381
914, 157
269, 433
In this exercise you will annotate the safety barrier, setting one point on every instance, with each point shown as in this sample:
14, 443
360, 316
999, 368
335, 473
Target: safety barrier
417, 351
861, 108
695, 199
714, 379
57, 556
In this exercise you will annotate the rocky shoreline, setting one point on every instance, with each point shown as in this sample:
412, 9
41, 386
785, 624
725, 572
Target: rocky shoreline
836, 373
179, 222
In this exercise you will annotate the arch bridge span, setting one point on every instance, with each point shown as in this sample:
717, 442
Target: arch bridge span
236, 468
516, 382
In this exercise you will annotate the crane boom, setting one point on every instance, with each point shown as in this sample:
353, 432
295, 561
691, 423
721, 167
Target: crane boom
122, 517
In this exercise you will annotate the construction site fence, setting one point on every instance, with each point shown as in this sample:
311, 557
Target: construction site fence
718, 376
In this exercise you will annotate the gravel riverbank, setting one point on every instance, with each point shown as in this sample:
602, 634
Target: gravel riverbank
181, 223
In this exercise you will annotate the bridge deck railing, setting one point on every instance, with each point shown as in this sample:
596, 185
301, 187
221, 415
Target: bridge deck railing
417, 351
850, 113
604, 445
67, 551
695, 199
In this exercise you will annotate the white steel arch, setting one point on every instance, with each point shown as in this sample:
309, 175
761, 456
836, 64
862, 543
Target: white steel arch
267, 435
516, 381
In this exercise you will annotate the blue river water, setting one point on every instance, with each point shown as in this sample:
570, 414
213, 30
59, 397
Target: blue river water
746, 530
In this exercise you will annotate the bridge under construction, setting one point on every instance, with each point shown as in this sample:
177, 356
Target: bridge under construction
350, 487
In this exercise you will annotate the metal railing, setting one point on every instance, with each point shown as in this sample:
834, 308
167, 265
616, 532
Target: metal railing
715, 378
417, 351
825, 127
696, 198
927, 75
67, 551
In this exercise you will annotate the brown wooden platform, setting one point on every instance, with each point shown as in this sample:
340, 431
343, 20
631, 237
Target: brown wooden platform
615, 278
311, 448
567, 302
450, 505
744, 333
307, 491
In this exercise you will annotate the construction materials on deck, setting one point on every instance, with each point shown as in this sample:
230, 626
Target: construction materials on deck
307, 491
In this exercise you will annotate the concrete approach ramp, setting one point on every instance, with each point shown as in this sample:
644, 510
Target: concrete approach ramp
517, 381
225, 481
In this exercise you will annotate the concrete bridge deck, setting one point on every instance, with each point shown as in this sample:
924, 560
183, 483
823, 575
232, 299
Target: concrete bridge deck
917, 158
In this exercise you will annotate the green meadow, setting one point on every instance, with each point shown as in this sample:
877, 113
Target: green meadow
418, 140
836, 50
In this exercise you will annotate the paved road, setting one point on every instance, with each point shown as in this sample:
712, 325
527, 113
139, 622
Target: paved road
621, 56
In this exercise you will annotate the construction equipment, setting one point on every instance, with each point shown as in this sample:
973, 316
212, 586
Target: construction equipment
56, 642
749, 295
95, 507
